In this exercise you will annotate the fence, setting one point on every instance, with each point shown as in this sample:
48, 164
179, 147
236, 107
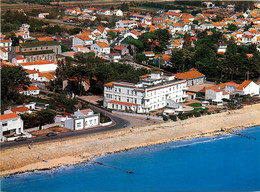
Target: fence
137, 115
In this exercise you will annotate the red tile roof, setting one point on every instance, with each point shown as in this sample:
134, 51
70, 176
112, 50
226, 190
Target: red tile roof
244, 84
20, 109
189, 75
8, 116
32, 88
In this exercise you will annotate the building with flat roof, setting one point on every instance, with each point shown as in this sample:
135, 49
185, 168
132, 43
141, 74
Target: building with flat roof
154, 91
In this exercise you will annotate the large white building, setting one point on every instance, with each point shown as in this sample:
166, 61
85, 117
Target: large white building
153, 92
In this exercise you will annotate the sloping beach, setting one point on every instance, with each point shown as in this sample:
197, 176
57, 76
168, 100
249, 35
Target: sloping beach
50, 154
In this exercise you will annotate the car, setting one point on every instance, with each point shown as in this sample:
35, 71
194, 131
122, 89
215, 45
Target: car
21, 139
51, 134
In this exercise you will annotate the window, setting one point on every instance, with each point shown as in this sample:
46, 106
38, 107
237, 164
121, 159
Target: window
95, 121
79, 124
91, 122
4, 124
86, 124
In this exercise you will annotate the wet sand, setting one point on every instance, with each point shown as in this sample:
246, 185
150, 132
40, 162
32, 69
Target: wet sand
50, 154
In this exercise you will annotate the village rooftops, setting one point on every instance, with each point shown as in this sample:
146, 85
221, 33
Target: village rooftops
38, 44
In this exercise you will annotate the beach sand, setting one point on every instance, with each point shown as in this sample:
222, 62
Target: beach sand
50, 154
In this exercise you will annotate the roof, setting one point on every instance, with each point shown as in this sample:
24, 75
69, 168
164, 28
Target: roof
38, 43
20, 109
32, 88
38, 52
111, 84
38, 62
45, 39
8, 116
47, 75
86, 111
32, 71
122, 103
244, 84
190, 93
4, 50
84, 37
102, 44
19, 58
119, 47
189, 75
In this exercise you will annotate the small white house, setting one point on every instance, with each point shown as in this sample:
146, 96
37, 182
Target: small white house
100, 48
18, 60
43, 15
247, 87
216, 94
81, 40
81, 119
118, 12
126, 24
32, 90
11, 126
3, 54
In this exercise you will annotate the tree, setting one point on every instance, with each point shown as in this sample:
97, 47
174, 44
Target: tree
124, 7
195, 22
13, 78
232, 27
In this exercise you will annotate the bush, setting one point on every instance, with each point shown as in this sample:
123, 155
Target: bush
165, 118
173, 117
209, 113
183, 116
190, 114
197, 114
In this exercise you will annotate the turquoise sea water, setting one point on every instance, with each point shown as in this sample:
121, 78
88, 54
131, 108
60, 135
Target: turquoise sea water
224, 163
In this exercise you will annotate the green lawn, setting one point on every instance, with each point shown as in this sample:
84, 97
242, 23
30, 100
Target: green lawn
200, 109
195, 104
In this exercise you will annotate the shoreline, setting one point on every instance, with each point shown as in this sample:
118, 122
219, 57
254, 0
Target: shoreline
66, 152
203, 135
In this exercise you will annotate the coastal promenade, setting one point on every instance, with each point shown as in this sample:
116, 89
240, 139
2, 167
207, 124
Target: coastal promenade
65, 151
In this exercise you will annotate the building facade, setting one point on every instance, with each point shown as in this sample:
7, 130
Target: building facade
151, 93
10, 124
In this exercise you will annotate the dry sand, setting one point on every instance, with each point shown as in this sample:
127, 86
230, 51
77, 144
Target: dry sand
78, 149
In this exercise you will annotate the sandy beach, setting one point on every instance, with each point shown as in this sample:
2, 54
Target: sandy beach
68, 151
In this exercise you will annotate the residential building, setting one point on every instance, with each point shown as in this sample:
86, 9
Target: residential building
81, 119
3, 54
153, 92
43, 15
118, 13
11, 124
216, 94
247, 88
126, 24
193, 77
114, 57
6, 44
122, 50
82, 39
18, 60
40, 66
32, 90
100, 48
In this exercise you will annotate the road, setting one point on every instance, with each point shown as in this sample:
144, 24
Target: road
119, 123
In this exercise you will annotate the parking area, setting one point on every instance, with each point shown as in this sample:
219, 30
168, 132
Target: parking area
42, 133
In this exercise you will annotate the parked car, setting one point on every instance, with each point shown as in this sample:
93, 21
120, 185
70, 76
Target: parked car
21, 139
51, 134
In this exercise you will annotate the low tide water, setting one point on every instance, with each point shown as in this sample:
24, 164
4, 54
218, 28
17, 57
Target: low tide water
223, 163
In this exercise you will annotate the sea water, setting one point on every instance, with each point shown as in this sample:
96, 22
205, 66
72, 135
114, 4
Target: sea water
223, 163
